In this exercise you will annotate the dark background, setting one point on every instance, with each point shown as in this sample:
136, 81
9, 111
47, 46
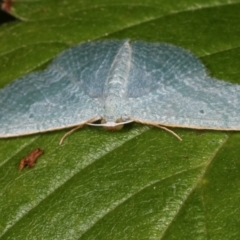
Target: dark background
5, 17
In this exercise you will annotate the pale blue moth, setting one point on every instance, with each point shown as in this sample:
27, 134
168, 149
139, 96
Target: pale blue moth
118, 82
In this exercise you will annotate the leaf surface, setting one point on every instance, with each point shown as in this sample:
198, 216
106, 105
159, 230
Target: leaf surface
137, 183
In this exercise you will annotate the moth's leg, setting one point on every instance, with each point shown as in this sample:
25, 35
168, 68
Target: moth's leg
168, 130
159, 126
69, 132
76, 128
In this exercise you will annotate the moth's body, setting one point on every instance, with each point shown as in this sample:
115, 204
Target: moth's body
115, 89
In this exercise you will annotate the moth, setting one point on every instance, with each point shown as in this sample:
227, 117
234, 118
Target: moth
117, 82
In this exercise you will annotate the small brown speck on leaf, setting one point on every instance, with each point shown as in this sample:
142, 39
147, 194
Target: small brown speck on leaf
7, 5
30, 159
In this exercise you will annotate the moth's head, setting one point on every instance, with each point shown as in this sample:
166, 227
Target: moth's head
112, 125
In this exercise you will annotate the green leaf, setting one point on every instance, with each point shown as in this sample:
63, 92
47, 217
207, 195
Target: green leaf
137, 183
